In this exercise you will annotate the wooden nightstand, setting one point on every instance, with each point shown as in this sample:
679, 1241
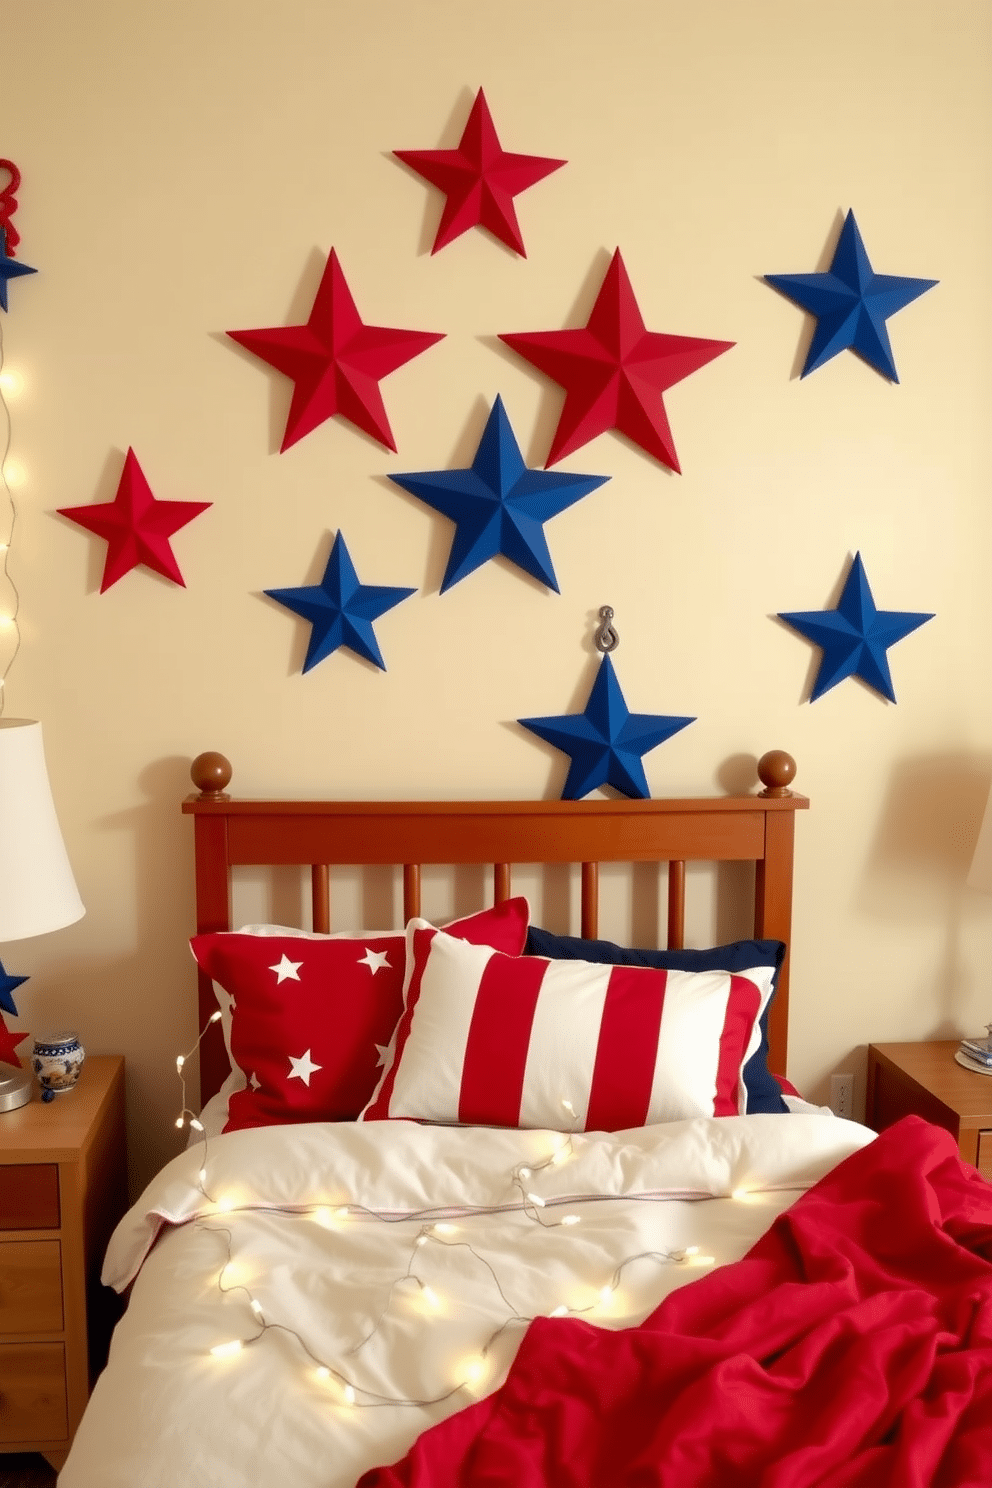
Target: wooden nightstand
925, 1080
62, 1190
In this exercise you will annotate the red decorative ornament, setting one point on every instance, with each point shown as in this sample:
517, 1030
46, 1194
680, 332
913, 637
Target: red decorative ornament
136, 526
335, 361
614, 371
480, 180
8, 206
9, 1040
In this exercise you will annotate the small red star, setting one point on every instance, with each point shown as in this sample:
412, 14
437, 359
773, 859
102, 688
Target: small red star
9, 1040
480, 180
614, 371
336, 361
135, 526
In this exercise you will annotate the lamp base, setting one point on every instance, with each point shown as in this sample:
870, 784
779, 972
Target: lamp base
15, 1087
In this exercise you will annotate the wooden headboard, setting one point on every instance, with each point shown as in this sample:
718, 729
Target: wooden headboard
230, 833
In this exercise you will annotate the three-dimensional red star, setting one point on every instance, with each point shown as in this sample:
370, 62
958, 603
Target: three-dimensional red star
136, 526
9, 1040
336, 361
480, 180
614, 371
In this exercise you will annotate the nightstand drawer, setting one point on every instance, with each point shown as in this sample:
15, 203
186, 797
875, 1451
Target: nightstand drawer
32, 1392
31, 1287
29, 1196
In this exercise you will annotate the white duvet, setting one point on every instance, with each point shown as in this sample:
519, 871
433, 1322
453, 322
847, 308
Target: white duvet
300, 1244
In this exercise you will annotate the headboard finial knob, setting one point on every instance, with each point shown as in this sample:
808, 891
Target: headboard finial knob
211, 773
776, 771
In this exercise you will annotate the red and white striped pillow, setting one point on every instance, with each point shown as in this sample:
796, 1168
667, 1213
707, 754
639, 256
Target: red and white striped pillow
497, 1040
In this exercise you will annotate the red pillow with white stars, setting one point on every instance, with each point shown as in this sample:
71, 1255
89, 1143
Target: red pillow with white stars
312, 1017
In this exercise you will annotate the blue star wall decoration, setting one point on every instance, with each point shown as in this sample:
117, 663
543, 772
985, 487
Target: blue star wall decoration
851, 303
855, 636
7, 985
9, 269
606, 741
340, 609
498, 505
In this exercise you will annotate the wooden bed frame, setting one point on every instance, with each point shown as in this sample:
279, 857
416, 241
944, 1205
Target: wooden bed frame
230, 833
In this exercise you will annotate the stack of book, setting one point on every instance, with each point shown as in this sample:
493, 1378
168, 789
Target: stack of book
979, 1050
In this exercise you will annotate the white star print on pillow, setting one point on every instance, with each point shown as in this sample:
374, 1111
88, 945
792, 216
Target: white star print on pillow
303, 1068
286, 970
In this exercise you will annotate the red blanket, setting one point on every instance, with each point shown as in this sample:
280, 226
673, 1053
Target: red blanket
850, 1348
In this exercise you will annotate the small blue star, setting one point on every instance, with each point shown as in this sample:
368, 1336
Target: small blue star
852, 304
855, 636
9, 269
498, 505
340, 609
7, 985
606, 742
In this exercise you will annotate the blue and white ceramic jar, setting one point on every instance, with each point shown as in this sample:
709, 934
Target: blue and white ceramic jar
56, 1062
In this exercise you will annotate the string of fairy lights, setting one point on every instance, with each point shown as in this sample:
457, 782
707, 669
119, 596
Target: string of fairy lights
11, 385
10, 635
469, 1371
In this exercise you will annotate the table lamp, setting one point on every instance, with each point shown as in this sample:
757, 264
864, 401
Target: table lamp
37, 890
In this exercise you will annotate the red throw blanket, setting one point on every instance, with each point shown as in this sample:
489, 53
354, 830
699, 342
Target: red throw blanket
850, 1348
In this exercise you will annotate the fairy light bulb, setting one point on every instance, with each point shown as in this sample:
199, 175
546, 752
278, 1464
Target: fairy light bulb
560, 1311
180, 1061
571, 1219
227, 1350
430, 1296
256, 1308
536, 1199
473, 1370
349, 1394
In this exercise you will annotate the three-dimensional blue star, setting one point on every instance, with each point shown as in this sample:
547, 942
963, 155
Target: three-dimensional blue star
851, 303
855, 636
498, 505
607, 741
7, 985
9, 269
340, 609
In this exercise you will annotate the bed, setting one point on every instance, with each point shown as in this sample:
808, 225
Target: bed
488, 1203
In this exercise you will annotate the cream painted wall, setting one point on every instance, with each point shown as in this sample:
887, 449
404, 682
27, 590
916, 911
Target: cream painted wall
186, 169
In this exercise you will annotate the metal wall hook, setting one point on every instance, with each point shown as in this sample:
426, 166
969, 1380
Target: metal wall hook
606, 637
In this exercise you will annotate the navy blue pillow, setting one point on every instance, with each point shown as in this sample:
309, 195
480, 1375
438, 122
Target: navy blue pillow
763, 1092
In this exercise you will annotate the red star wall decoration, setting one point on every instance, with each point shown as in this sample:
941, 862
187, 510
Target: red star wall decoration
335, 361
480, 180
614, 371
9, 1040
136, 526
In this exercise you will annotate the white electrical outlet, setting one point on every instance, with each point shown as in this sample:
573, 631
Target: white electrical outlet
842, 1095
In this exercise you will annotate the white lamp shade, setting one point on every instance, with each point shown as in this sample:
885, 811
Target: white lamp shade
980, 876
37, 890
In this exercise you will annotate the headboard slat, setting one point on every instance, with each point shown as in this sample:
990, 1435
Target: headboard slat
590, 901
320, 897
676, 904
411, 891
